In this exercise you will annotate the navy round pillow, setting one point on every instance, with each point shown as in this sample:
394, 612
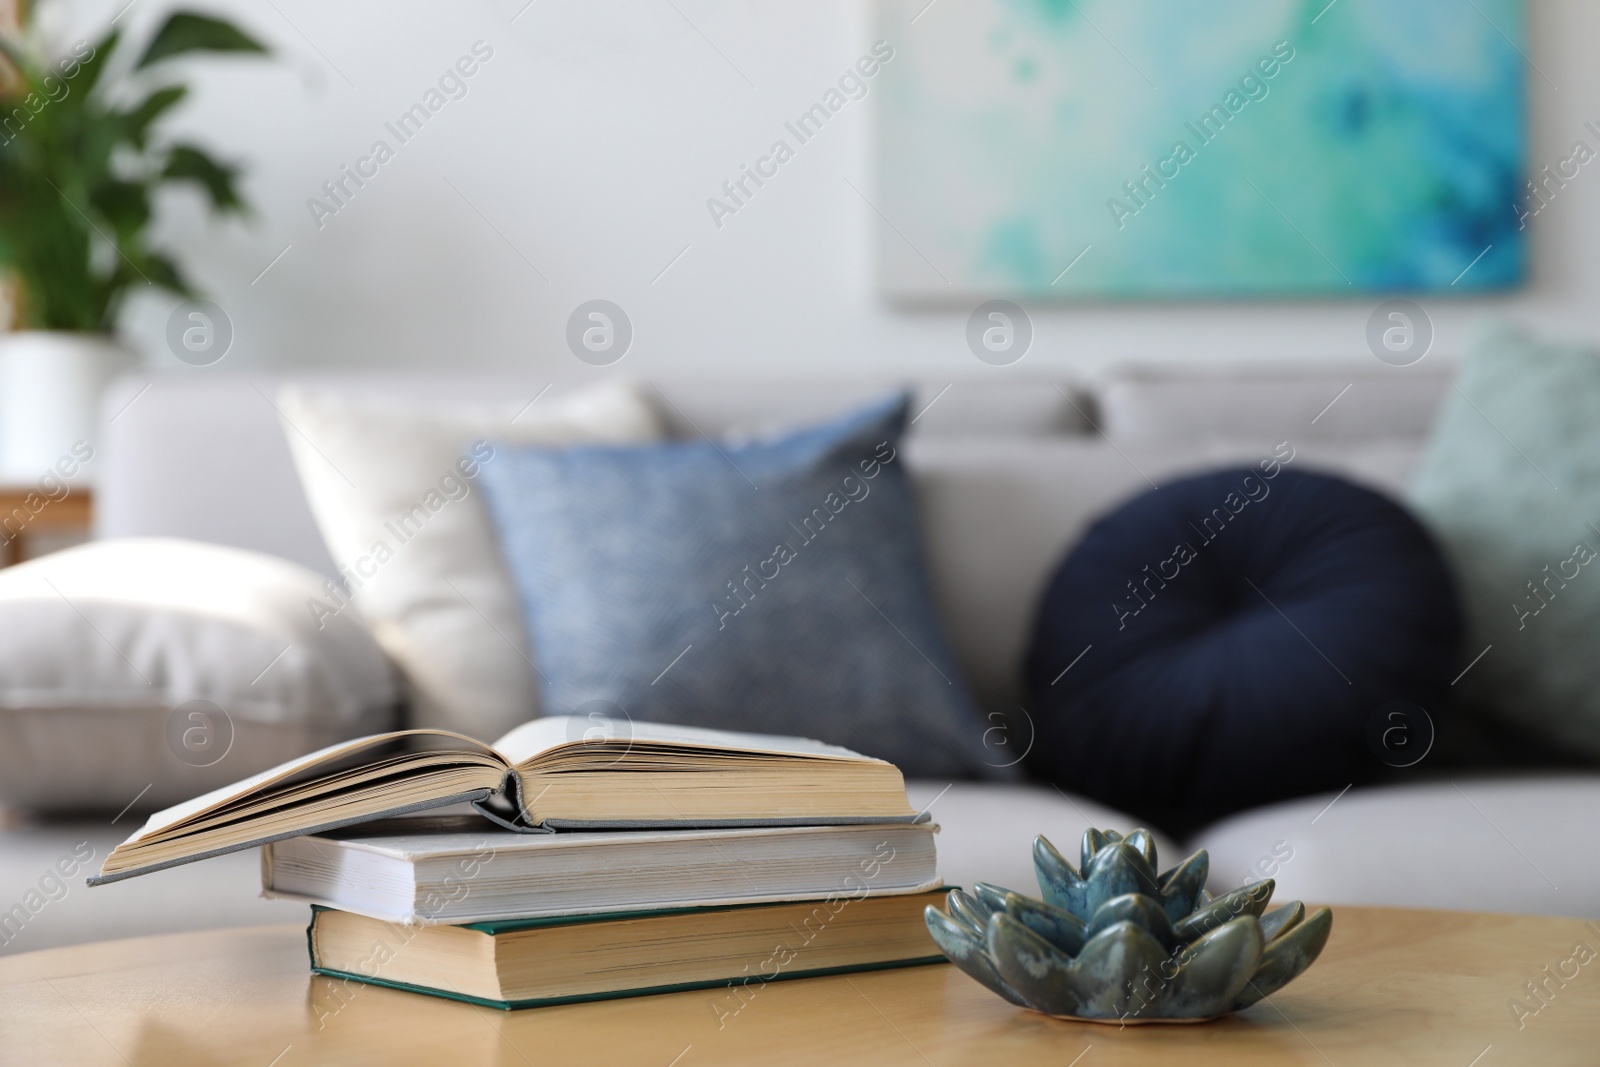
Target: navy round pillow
1227, 639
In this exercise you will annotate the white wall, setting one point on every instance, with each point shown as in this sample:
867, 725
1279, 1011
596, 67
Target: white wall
590, 142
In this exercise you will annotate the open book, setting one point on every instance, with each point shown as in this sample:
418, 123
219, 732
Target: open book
548, 774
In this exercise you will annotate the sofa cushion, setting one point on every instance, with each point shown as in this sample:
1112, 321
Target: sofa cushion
775, 586
1511, 487
1522, 844
1227, 639
157, 669
392, 488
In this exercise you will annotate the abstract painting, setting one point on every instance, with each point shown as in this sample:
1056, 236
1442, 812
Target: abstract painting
1113, 149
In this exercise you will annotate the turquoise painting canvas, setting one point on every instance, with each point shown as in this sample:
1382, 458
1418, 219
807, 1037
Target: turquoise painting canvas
1110, 149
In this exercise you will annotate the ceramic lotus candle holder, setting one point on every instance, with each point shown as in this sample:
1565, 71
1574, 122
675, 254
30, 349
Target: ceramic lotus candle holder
1116, 942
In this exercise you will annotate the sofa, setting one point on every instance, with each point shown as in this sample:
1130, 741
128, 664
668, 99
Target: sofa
1010, 467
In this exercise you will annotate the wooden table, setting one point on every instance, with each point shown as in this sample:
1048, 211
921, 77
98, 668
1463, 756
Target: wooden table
1393, 987
25, 511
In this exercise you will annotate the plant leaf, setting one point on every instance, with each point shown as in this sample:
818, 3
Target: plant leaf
187, 31
137, 120
187, 163
79, 173
123, 204
165, 273
90, 69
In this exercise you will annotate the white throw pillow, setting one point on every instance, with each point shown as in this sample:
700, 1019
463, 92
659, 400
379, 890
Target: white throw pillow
158, 669
392, 488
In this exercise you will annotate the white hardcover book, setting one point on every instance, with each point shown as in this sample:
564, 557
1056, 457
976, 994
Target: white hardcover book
458, 869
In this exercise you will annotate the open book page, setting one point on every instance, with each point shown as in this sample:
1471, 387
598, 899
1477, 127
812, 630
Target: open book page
536, 738
323, 762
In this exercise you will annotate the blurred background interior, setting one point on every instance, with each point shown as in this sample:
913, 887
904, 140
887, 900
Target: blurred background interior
1336, 258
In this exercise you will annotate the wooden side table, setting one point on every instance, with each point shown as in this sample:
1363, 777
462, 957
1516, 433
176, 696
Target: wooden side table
25, 511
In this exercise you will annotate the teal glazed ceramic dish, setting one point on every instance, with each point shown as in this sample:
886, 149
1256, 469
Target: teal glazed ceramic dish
1115, 942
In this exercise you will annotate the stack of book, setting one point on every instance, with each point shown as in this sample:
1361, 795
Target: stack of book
613, 863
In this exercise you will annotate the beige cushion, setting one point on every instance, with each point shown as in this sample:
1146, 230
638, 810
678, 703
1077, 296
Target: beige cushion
392, 487
104, 647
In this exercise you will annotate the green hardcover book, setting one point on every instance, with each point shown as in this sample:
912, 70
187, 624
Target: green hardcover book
531, 963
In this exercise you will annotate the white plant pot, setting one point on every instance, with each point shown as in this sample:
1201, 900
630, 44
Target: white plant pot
50, 387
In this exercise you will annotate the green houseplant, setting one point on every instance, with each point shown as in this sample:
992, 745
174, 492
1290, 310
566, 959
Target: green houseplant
82, 154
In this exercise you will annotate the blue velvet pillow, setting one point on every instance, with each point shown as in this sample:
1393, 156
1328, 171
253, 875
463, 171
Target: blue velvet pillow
1238, 633
775, 586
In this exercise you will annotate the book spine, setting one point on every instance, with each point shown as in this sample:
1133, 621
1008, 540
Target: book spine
505, 807
311, 935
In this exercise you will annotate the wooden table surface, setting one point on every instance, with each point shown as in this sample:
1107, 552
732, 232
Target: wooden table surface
1392, 987
25, 511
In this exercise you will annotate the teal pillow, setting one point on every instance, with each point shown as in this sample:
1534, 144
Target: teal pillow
1510, 486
